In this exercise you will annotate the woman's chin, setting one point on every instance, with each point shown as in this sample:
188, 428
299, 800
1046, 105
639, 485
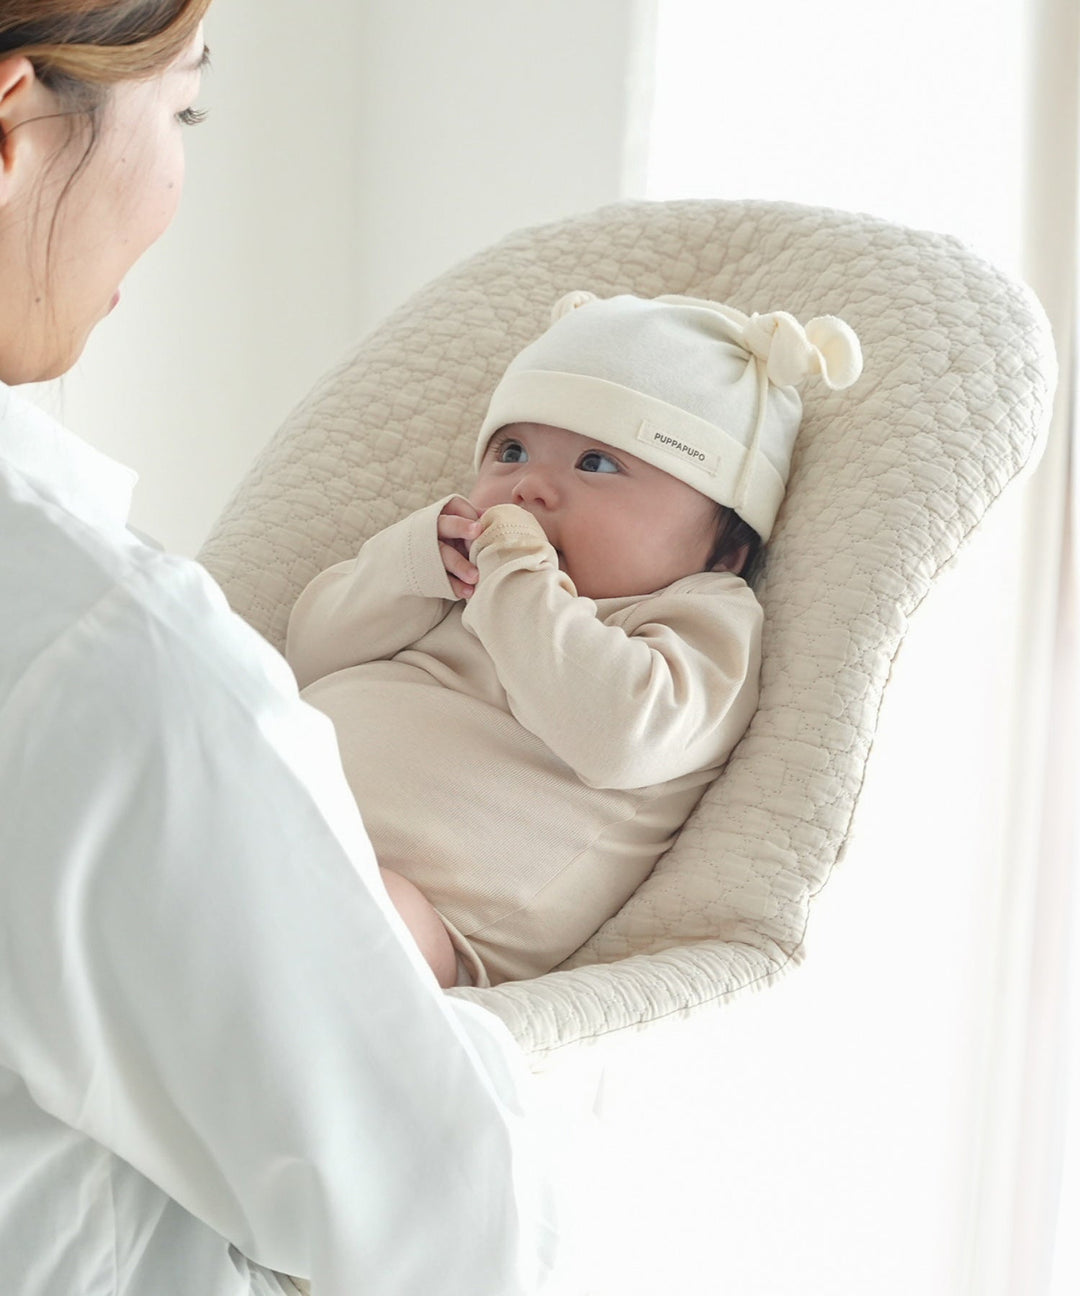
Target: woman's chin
61, 363
17, 371
48, 346
45, 368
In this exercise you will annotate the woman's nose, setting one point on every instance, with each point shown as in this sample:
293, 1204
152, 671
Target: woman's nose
536, 487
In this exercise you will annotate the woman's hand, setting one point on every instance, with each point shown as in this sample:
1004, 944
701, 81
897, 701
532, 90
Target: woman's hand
457, 528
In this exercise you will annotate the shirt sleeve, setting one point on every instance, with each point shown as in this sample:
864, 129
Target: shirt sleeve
200, 971
371, 606
659, 689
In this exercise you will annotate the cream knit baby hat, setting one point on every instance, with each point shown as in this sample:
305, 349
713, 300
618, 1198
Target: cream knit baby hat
694, 387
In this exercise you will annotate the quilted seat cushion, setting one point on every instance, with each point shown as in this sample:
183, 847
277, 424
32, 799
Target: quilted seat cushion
889, 479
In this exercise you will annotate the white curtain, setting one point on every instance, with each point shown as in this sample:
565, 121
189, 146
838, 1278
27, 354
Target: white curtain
1038, 1207
1046, 1207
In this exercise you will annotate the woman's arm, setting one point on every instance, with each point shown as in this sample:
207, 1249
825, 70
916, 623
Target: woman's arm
200, 970
664, 688
371, 606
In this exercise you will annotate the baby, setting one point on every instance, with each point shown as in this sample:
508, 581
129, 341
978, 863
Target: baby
533, 685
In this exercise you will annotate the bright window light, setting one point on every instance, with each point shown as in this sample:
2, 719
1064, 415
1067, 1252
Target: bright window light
912, 112
915, 113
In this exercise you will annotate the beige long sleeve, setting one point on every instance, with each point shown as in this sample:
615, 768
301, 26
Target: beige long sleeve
524, 758
371, 606
628, 697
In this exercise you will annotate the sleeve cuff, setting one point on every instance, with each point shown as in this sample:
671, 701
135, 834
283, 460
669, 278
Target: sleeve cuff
424, 570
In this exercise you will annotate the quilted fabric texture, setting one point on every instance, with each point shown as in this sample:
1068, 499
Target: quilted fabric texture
889, 479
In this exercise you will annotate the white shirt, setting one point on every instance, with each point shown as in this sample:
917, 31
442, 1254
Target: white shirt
220, 1053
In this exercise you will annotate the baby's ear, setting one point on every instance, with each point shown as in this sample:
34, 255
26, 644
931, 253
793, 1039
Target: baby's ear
733, 562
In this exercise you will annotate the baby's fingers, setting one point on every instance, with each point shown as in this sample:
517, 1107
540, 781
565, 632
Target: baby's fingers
458, 507
453, 527
462, 573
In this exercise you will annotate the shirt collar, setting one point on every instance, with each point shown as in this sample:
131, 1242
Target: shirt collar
63, 467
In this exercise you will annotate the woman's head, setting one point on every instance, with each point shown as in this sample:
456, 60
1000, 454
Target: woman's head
94, 96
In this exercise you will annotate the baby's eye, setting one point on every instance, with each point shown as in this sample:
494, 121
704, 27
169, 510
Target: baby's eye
511, 452
594, 461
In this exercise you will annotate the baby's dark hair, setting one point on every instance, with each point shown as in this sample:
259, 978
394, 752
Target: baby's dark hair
732, 533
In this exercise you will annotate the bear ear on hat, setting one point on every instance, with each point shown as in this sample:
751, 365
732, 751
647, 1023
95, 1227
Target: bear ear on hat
571, 301
838, 350
791, 352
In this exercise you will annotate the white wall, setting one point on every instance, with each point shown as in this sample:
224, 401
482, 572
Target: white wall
353, 151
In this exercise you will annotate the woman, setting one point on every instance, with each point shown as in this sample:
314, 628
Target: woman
220, 1054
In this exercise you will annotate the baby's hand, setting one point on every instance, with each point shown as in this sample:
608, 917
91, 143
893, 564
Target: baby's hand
457, 528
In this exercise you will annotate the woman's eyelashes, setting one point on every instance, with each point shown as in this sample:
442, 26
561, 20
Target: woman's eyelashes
191, 116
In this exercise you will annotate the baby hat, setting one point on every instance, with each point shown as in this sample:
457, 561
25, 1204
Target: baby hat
694, 387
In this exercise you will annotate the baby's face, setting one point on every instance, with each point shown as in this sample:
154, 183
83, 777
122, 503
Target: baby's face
619, 525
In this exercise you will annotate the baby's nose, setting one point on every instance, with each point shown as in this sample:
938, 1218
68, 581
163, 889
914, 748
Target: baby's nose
535, 486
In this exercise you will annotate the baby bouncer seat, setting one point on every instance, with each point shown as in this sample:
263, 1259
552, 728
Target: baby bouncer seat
889, 479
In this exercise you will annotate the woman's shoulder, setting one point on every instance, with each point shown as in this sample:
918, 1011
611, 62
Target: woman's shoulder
100, 614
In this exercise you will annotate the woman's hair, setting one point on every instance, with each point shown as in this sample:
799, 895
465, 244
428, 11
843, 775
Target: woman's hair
81, 47
731, 534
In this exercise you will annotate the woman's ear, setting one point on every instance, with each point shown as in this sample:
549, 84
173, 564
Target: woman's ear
16, 72
22, 99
